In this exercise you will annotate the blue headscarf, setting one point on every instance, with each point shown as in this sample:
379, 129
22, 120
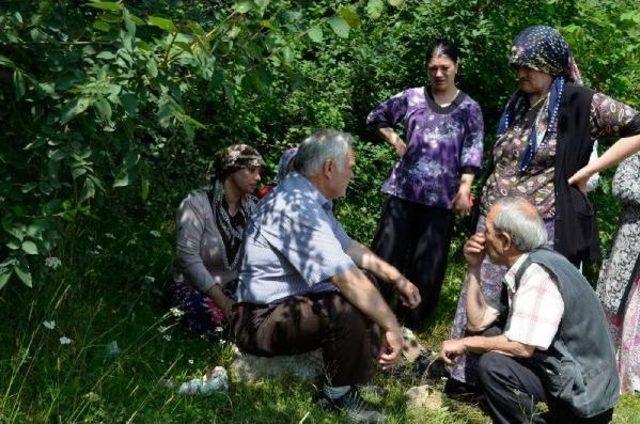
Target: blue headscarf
543, 49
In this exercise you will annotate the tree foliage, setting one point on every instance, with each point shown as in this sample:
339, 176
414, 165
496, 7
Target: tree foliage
113, 108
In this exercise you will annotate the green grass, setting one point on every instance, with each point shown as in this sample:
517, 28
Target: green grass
109, 290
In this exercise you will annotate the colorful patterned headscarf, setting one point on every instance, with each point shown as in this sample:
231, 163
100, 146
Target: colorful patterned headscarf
284, 165
233, 158
543, 49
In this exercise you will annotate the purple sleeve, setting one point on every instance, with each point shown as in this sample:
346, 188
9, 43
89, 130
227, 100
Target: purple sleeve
472, 145
388, 113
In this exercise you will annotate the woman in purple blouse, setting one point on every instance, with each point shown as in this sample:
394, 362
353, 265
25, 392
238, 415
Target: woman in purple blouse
433, 175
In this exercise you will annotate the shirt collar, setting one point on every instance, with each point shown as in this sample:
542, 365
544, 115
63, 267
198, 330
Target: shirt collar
510, 276
303, 183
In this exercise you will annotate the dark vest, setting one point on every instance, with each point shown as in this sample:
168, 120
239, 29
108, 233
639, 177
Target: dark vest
576, 232
579, 368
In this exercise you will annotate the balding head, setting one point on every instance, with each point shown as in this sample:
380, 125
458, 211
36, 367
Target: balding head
518, 218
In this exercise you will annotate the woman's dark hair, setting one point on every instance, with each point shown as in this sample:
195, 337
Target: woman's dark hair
442, 46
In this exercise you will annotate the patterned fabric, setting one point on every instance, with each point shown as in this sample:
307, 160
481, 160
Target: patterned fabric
543, 49
491, 275
284, 165
608, 118
200, 315
231, 227
615, 274
233, 158
625, 333
293, 245
535, 308
442, 143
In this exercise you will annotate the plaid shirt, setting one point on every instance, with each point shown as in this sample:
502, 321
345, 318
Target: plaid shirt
536, 308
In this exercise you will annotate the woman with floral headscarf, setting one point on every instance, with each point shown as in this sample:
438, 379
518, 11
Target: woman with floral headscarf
544, 140
210, 223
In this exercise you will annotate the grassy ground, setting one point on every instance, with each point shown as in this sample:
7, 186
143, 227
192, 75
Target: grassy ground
106, 299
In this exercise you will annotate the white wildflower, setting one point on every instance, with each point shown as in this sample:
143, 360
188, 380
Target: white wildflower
155, 233
149, 278
64, 340
112, 348
190, 361
167, 337
49, 324
219, 329
222, 341
52, 262
110, 236
176, 312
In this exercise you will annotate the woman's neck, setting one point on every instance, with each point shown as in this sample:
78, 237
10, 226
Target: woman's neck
536, 98
232, 195
445, 95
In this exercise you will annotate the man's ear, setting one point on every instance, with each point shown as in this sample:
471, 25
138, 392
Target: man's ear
505, 241
328, 168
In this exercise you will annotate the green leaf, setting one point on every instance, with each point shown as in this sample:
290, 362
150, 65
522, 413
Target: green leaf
162, 23
144, 180
29, 248
243, 6
128, 22
88, 190
5, 274
74, 108
103, 107
152, 67
375, 8
5, 61
350, 15
106, 55
396, 3
122, 179
105, 5
18, 82
101, 26
22, 271
315, 34
339, 26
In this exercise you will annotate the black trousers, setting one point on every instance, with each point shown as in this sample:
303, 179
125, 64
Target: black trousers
415, 239
349, 340
513, 393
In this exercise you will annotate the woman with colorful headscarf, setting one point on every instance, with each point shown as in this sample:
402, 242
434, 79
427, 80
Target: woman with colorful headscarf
210, 223
544, 141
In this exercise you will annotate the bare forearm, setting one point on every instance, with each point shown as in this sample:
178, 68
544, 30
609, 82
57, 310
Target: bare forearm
362, 294
466, 180
389, 135
479, 315
366, 259
620, 150
499, 344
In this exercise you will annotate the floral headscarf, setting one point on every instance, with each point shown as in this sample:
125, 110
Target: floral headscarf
543, 49
233, 158
284, 165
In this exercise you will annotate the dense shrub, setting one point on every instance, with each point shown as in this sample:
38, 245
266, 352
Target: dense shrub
113, 109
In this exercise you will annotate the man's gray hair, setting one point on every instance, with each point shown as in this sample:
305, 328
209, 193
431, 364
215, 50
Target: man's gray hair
519, 219
319, 147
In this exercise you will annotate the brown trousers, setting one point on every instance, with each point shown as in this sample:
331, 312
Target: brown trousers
349, 340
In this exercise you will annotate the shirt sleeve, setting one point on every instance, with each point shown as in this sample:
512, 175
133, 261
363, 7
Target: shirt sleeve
473, 144
612, 119
310, 245
389, 113
536, 309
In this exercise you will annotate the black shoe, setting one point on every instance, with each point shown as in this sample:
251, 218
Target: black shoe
462, 392
354, 406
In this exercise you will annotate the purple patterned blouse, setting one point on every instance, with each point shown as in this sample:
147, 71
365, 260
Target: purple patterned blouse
608, 117
442, 143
